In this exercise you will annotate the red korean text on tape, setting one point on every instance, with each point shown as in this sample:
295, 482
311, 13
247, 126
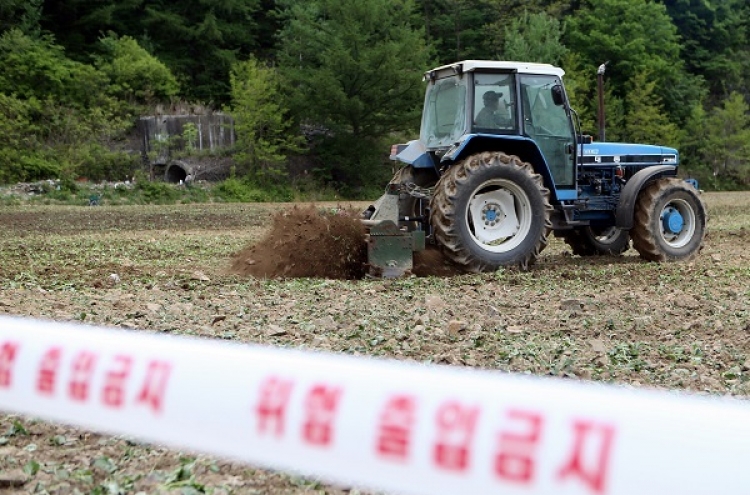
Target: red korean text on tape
386, 425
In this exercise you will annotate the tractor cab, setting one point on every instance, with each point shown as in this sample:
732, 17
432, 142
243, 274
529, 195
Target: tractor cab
471, 104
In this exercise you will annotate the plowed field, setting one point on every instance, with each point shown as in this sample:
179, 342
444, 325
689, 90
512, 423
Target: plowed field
173, 269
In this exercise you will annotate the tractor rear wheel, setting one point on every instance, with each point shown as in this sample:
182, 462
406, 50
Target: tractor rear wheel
669, 221
592, 241
491, 210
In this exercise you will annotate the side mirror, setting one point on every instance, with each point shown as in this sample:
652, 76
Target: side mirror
558, 97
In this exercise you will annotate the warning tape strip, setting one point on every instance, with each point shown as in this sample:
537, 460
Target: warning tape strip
385, 425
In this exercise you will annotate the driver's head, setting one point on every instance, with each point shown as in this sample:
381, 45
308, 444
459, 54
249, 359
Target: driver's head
491, 98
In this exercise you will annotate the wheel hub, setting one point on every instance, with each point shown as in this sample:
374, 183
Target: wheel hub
672, 221
494, 216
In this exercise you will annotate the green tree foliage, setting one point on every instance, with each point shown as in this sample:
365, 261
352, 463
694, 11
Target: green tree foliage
694, 141
514, 8
355, 69
582, 88
716, 42
645, 119
580, 83
23, 15
198, 40
58, 115
455, 28
38, 68
135, 74
728, 140
614, 121
349, 72
500, 14
264, 134
20, 155
534, 38
634, 36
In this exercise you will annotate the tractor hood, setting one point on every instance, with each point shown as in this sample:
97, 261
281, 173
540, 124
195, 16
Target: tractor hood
628, 154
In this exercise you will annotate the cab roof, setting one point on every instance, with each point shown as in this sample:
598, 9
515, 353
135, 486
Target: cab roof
521, 67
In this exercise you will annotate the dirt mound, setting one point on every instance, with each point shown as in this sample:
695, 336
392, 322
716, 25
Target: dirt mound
308, 242
432, 263
319, 243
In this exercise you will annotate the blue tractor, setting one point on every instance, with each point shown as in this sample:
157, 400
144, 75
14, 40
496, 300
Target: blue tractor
500, 164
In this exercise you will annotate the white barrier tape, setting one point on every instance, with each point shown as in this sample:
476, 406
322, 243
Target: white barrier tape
386, 425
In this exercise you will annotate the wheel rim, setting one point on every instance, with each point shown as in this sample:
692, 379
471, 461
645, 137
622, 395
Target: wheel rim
498, 215
606, 235
677, 221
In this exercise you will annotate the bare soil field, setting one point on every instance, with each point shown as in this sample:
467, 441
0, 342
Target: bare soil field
179, 270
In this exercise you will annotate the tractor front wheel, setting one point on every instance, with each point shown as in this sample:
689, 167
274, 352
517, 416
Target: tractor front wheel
670, 221
592, 241
491, 210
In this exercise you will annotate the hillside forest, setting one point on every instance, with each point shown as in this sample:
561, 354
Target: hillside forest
333, 83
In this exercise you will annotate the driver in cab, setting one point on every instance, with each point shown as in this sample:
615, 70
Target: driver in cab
493, 115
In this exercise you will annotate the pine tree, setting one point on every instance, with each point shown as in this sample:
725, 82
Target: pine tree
645, 118
499, 14
580, 85
634, 36
695, 144
728, 147
456, 28
716, 43
534, 38
354, 70
264, 133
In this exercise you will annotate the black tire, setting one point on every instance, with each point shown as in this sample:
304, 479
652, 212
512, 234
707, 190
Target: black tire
669, 221
597, 241
507, 196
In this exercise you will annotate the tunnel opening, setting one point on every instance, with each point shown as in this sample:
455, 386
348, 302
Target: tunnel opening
176, 173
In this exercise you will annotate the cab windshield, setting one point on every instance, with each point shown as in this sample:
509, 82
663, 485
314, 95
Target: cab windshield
444, 116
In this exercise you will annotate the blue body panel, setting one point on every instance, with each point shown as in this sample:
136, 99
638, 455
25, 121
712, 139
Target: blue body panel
415, 154
628, 153
566, 194
455, 152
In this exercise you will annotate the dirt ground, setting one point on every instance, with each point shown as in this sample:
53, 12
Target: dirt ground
174, 269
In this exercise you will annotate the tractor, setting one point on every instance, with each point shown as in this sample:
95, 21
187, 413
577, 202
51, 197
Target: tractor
501, 164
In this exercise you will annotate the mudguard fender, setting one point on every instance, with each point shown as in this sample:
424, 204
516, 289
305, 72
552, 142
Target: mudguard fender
629, 194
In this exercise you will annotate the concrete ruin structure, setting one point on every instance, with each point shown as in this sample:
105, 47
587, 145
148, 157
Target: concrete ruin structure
184, 147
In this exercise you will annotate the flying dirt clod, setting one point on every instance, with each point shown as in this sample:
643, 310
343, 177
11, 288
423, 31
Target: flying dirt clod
308, 242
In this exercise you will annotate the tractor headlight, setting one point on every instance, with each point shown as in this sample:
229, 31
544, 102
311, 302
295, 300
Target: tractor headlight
669, 160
